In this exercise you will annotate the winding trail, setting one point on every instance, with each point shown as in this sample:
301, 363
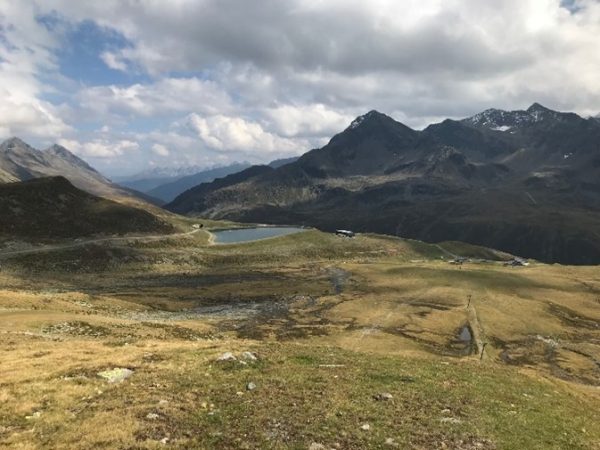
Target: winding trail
84, 242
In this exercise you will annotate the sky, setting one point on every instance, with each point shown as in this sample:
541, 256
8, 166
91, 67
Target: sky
130, 85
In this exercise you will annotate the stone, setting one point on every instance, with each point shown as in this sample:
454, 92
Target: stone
365, 427
452, 420
384, 396
390, 442
249, 356
116, 375
316, 446
250, 386
227, 356
152, 416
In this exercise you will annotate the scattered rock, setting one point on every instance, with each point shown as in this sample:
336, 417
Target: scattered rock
35, 415
384, 396
116, 375
164, 440
365, 427
453, 420
390, 442
227, 356
249, 356
152, 416
317, 446
163, 402
250, 386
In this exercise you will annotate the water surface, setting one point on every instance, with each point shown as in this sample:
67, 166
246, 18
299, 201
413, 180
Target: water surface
251, 234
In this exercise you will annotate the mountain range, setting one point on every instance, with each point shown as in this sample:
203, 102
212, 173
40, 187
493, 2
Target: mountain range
166, 183
21, 162
526, 182
149, 179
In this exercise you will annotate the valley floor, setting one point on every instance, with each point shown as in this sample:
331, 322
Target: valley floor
372, 342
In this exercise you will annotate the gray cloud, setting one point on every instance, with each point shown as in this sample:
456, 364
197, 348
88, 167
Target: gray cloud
279, 76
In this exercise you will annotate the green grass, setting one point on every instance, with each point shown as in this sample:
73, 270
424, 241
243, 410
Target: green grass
302, 396
399, 309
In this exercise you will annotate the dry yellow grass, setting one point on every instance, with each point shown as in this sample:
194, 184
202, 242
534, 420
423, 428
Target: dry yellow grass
334, 321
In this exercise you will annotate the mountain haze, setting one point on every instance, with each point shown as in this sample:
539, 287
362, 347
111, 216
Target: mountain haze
168, 191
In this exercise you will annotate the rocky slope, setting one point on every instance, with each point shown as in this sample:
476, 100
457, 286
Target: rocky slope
20, 162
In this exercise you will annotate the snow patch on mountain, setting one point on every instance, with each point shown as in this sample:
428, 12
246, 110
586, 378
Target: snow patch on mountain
500, 120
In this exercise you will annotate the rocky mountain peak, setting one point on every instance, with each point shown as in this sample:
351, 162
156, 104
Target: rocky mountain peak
62, 153
536, 107
371, 116
14, 143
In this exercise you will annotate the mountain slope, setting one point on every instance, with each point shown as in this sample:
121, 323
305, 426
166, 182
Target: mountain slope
23, 162
6, 177
527, 182
53, 208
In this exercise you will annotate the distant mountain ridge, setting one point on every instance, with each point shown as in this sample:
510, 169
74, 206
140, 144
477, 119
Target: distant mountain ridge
168, 188
149, 179
168, 191
525, 181
21, 162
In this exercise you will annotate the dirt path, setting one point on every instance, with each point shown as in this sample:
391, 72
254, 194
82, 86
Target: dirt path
84, 242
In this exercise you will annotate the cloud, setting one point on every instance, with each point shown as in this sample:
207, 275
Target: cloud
160, 98
225, 134
160, 150
306, 120
100, 148
26, 49
113, 61
226, 79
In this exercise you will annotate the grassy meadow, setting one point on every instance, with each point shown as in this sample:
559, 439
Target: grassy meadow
371, 342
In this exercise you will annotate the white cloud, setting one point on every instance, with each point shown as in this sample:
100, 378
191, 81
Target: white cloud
160, 150
113, 61
26, 49
160, 98
225, 134
100, 148
307, 120
267, 78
